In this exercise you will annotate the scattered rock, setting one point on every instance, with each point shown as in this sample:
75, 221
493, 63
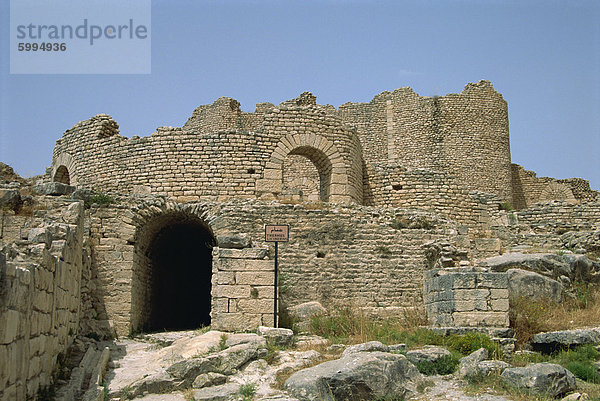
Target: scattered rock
429, 353
53, 188
356, 376
397, 348
40, 236
366, 347
486, 368
209, 379
303, 313
575, 267
523, 283
551, 341
468, 364
575, 397
278, 336
235, 241
83, 194
541, 378
223, 392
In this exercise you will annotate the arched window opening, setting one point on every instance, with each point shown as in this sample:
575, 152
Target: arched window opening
62, 175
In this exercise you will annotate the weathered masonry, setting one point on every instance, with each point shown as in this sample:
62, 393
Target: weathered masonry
399, 150
391, 204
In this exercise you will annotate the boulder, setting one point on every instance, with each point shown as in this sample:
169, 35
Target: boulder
523, 283
10, 199
574, 267
235, 241
541, 378
356, 376
223, 392
486, 368
277, 336
554, 340
366, 347
83, 194
303, 313
225, 362
468, 364
209, 379
53, 188
429, 353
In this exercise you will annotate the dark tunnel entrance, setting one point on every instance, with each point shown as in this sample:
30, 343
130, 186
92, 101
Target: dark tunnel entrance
175, 274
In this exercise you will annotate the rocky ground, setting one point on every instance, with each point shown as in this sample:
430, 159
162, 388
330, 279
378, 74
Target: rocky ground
213, 365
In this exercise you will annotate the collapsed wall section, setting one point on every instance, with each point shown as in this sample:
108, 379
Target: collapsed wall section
40, 297
530, 189
465, 135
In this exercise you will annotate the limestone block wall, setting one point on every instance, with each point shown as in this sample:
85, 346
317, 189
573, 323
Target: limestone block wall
466, 297
40, 302
393, 185
351, 253
530, 189
219, 153
242, 289
465, 135
560, 217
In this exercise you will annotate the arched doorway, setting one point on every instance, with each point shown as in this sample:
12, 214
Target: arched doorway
171, 287
62, 175
307, 170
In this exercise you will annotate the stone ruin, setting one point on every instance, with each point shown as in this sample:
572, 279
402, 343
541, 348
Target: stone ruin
393, 204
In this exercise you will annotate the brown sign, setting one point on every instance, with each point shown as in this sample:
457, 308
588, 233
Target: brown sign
277, 233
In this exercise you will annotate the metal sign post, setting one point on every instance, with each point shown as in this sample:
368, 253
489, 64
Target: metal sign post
276, 234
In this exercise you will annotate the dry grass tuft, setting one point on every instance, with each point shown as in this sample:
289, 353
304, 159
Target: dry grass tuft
581, 310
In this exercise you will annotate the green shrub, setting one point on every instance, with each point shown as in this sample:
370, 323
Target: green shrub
471, 342
584, 371
505, 206
101, 199
442, 366
223, 342
247, 391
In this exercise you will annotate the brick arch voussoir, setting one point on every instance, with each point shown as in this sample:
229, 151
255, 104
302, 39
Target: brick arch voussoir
145, 214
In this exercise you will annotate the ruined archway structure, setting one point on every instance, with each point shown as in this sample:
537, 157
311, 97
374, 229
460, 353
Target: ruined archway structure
63, 169
339, 182
365, 153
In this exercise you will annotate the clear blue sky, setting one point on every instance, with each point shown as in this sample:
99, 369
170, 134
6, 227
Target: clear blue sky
543, 56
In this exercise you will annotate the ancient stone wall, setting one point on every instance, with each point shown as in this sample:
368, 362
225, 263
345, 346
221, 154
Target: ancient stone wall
219, 153
242, 289
560, 217
40, 302
395, 186
466, 298
367, 256
464, 135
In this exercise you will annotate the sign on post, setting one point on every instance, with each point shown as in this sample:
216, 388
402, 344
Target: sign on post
276, 233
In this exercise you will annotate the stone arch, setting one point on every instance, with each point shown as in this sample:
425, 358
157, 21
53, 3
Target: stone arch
63, 169
324, 155
557, 191
172, 268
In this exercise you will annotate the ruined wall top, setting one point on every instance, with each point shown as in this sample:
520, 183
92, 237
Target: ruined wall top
223, 152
